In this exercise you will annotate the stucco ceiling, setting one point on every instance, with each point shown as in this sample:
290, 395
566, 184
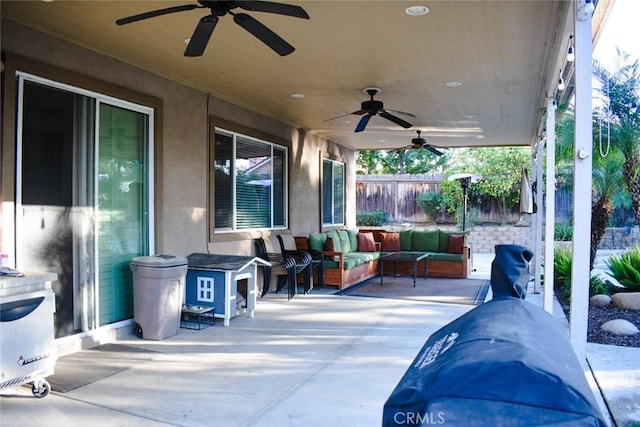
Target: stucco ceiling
504, 53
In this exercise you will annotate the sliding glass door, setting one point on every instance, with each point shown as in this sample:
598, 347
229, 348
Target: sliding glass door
122, 228
82, 198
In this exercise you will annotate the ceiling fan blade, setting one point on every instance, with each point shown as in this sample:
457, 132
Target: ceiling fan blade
405, 148
434, 150
337, 117
272, 7
268, 37
201, 36
402, 113
362, 124
396, 120
154, 13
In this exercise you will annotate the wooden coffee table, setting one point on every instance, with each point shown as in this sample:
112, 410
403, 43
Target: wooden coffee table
403, 257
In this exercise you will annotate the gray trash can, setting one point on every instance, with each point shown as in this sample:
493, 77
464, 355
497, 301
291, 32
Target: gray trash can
158, 292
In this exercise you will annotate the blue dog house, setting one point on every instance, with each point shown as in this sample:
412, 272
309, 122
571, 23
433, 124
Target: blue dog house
225, 282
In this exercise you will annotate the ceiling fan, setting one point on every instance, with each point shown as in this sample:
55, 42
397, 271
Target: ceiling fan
373, 107
207, 24
420, 143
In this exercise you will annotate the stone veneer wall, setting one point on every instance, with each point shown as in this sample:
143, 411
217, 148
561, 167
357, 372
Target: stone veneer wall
485, 238
620, 238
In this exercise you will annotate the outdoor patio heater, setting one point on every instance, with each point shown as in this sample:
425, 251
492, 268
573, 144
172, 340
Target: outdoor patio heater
465, 180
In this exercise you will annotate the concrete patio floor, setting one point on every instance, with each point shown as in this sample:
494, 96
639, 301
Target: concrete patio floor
317, 360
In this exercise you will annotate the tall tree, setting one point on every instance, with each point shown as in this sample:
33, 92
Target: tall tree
620, 92
607, 180
500, 169
391, 162
607, 173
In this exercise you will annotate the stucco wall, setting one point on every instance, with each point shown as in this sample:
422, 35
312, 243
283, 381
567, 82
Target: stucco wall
181, 150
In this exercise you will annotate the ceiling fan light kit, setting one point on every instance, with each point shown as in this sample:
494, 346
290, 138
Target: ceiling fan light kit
204, 29
374, 107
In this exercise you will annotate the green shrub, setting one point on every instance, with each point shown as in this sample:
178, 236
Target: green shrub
598, 286
431, 203
626, 268
562, 262
563, 232
562, 259
470, 219
371, 218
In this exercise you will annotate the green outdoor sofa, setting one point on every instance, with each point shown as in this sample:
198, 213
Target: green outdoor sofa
353, 256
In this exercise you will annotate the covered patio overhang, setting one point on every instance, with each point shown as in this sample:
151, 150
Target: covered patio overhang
468, 73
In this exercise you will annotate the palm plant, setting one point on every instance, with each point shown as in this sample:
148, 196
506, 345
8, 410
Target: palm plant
607, 181
621, 93
606, 173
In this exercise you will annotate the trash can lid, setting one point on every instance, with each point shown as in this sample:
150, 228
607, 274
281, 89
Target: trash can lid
159, 261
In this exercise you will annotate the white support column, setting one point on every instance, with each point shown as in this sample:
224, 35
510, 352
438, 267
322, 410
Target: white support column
537, 219
581, 187
550, 213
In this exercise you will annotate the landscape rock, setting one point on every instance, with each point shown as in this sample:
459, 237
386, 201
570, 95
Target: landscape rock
620, 327
600, 300
627, 300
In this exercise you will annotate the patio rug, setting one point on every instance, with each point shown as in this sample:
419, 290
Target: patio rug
87, 366
455, 291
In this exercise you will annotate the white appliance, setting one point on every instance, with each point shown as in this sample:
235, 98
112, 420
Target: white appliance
27, 343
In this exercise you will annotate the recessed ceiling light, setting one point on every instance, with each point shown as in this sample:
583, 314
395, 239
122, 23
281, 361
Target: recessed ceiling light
416, 10
453, 84
297, 95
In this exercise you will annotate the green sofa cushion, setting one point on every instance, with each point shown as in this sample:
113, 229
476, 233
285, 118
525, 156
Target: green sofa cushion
345, 242
330, 263
425, 241
405, 240
336, 240
352, 259
353, 240
447, 257
316, 241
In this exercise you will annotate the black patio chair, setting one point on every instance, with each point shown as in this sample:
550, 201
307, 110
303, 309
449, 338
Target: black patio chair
282, 266
304, 261
288, 243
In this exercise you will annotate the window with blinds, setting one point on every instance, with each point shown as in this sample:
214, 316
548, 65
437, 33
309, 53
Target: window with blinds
332, 192
249, 183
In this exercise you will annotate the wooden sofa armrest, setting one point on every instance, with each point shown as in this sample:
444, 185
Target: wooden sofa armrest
302, 242
333, 255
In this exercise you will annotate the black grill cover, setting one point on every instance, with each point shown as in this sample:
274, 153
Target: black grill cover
504, 363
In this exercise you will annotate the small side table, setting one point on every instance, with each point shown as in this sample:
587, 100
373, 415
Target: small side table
196, 317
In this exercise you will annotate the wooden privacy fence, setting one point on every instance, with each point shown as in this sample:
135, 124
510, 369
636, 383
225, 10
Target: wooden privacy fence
395, 194
398, 194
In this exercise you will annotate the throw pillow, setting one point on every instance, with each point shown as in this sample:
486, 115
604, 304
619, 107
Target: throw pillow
366, 242
456, 243
390, 242
329, 245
